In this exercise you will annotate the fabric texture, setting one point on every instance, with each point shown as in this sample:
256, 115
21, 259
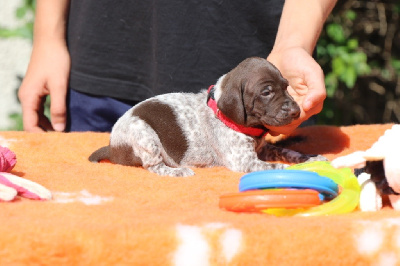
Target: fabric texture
105, 214
134, 50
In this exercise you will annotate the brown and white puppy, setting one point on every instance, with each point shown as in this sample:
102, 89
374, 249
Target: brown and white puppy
224, 126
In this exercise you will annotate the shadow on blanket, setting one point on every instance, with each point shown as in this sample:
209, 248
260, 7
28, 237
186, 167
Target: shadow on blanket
105, 214
327, 140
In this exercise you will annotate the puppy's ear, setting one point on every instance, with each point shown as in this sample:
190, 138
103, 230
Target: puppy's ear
231, 102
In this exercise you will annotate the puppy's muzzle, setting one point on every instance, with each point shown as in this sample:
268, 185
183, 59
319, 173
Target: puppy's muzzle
292, 109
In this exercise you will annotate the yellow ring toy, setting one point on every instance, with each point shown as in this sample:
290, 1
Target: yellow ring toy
345, 202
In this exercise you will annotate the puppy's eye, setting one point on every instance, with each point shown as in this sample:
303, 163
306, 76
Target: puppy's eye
266, 91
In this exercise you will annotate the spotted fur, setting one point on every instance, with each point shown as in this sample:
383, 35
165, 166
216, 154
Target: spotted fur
170, 133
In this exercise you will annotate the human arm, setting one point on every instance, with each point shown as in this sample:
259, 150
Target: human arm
299, 29
48, 69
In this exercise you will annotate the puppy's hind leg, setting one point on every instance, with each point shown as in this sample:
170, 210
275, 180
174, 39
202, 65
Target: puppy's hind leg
156, 160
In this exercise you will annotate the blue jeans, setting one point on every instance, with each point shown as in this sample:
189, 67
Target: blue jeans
93, 113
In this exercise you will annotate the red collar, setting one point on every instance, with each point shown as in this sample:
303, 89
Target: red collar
251, 131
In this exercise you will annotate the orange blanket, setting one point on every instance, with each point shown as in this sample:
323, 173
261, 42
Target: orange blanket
105, 214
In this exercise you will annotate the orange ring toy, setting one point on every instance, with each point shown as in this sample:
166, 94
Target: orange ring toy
259, 200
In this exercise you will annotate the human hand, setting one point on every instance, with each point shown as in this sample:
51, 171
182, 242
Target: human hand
47, 74
306, 83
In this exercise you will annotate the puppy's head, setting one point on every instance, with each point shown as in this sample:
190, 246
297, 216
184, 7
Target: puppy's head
255, 94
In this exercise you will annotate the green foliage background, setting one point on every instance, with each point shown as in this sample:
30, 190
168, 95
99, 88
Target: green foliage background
25, 14
359, 51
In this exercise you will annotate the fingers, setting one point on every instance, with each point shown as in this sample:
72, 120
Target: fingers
316, 95
305, 77
44, 122
307, 84
31, 107
58, 109
32, 95
286, 130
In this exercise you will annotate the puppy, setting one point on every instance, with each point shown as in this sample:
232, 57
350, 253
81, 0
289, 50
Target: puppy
224, 126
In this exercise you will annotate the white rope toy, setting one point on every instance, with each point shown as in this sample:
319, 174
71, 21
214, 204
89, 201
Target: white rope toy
12, 186
387, 149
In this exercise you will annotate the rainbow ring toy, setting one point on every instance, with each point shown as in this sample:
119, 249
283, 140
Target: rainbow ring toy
298, 190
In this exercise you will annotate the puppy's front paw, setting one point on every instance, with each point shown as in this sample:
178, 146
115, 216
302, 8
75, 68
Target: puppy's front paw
181, 172
314, 158
282, 165
164, 170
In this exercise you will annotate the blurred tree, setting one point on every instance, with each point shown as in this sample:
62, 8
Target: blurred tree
359, 51
25, 15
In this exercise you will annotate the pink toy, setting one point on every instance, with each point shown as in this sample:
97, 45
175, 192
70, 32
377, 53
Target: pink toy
12, 185
7, 160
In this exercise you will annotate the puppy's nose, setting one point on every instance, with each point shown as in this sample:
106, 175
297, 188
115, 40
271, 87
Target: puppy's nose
294, 112
291, 109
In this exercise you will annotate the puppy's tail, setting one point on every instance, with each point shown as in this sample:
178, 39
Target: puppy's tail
101, 154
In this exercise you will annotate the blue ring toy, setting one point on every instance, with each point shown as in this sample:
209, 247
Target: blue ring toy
289, 179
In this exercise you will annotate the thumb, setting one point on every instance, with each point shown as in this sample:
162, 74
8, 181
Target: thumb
58, 107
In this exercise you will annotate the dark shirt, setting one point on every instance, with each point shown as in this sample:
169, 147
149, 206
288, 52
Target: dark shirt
134, 50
